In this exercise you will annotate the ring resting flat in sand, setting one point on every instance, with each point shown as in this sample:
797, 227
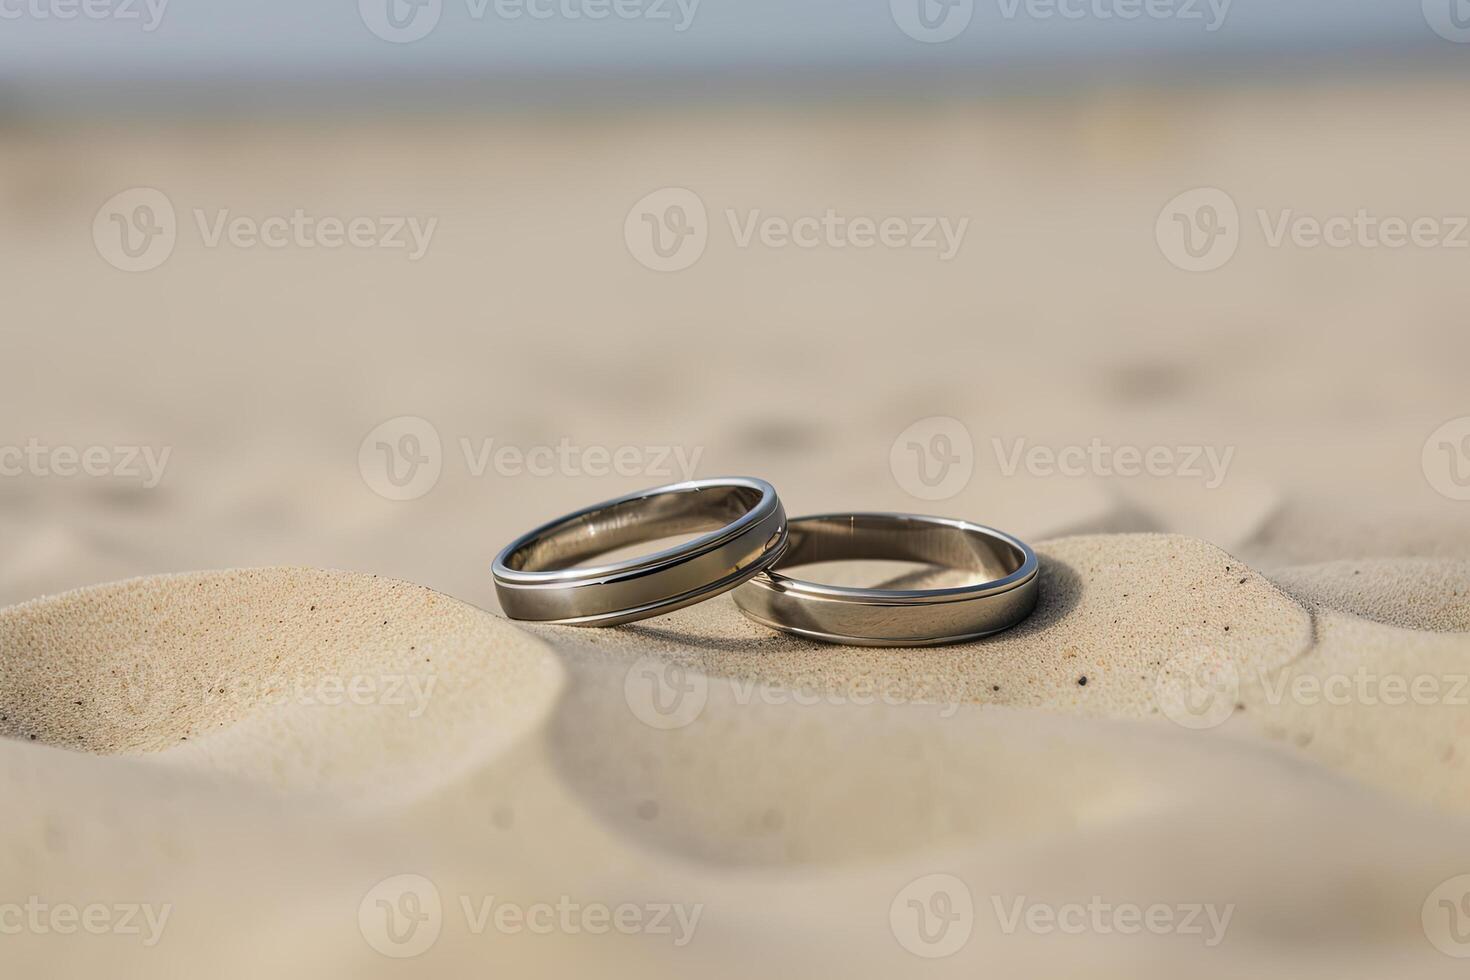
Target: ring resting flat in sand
893, 617
539, 577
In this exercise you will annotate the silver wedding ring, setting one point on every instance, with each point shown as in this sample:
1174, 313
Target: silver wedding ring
893, 617
741, 527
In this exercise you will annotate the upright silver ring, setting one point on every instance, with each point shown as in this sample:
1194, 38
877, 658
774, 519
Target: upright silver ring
894, 617
538, 576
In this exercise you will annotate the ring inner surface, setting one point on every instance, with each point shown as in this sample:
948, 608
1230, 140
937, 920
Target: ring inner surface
632, 522
877, 538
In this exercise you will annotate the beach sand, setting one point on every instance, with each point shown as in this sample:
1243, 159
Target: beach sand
1201, 714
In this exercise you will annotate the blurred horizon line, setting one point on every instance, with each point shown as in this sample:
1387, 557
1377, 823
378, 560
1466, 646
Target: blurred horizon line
456, 90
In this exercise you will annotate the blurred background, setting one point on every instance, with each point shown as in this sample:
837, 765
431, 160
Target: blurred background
378, 285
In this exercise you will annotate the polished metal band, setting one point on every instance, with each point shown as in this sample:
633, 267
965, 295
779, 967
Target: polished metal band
535, 577
889, 617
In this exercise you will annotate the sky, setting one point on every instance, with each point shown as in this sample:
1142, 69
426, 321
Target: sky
56, 39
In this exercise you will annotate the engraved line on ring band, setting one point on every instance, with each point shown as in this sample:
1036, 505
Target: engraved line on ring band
893, 617
538, 576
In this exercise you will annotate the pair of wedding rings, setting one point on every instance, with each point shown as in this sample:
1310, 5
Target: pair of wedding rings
744, 541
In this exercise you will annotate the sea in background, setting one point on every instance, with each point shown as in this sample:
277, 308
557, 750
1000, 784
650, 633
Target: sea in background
142, 56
